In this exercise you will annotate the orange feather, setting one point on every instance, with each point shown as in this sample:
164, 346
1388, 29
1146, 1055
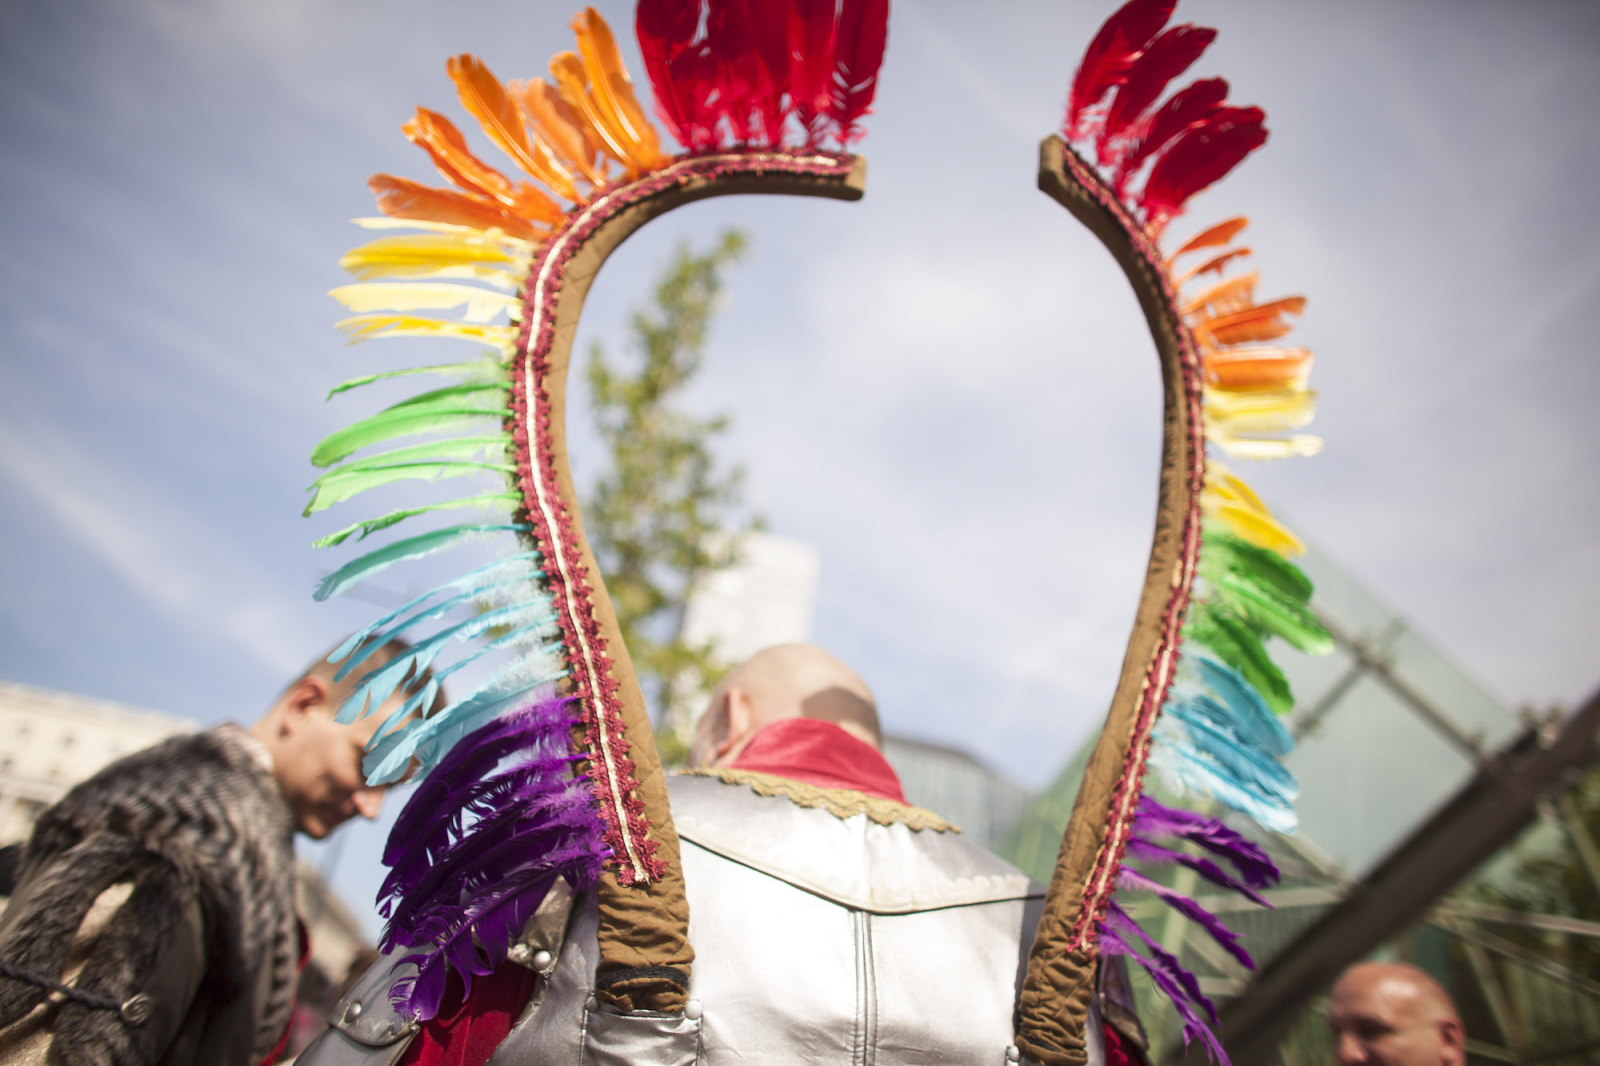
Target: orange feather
1221, 233
1254, 369
568, 71
403, 198
1262, 322
1232, 295
444, 144
486, 99
612, 90
559, 125
1214, 265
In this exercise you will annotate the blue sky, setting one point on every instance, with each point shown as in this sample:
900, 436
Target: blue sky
946, 387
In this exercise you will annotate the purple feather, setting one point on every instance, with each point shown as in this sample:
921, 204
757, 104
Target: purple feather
1118, 932
1155, 822
478, 846
1133, 880
1156, 855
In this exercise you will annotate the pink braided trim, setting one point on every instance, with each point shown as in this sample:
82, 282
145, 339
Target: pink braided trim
1158, 676
550, 513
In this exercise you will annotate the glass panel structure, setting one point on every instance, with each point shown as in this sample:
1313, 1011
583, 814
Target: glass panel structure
1388, 730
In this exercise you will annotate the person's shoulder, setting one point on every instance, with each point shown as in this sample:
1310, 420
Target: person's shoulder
858, 851
169, 780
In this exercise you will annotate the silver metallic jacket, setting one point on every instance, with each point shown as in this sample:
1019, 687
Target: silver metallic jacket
818, 939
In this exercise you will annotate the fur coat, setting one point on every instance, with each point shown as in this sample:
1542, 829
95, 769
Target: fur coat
181, 858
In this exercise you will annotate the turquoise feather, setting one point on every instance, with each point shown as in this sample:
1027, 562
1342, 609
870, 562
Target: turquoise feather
360, 569
429, 740
1243, 702
473, 582
375, 688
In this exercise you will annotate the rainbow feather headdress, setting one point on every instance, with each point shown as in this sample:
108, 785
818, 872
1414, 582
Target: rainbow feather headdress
546, 768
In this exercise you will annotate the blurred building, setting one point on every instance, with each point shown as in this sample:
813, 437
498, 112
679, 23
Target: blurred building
49, 741
1391, 736
766, 596
958, 788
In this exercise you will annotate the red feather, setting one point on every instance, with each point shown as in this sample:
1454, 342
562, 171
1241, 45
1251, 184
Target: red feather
769, 42
1201, 156
1187, 107
857, 55
812, 26
730, 43
666, 30
1174, 52
1105, 64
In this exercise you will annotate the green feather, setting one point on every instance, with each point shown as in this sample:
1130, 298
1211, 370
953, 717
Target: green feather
447, 408
1222, 552
449, 448
1236, 644
450, 394
388, 425
372, 525
490, 367
345, 482
1267, 610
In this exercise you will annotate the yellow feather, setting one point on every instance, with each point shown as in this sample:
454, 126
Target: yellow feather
1259, 529
372, 327
1298, 446
1228, 485
1228, 500
481, 304
513, 245
1260, 412
434, 256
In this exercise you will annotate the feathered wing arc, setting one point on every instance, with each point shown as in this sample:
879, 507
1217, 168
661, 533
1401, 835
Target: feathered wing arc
1055, 995
1198, 697
547, 769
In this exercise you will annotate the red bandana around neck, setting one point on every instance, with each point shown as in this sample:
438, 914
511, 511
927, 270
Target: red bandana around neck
820, 753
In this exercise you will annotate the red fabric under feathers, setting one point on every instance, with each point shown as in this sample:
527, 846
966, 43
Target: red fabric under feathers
822, 754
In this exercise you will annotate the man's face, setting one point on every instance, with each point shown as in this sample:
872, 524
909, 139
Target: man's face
319, 768
1383, 1018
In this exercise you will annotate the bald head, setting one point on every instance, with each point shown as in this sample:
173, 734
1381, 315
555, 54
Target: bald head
1394, 1014
786, 681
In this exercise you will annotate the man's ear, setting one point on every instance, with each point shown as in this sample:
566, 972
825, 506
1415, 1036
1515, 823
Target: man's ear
1453, 1036
308, 694
734, 715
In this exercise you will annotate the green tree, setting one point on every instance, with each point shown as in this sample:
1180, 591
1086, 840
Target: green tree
655, 513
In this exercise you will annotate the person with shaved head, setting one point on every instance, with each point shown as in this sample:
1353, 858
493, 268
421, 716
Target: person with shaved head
832, 921
1394, 1014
